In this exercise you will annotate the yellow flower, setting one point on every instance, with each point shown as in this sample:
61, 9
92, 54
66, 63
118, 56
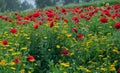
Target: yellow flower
110, 26
31, 68
16, 53
16, 44
65, 26
22, 71
57, 46
11, 50
100, 32
65, 23
64, 31
49, 49
56, 26
45, 37
11, 63
116, 51
24, 48
72, 53
29, 72
16, 35
89, 35
24, 64
80, 68
65, 72
100, 56
26, 35
87, 70
36, 34
103, 69
112, 68
13, 68
83, 28
65, 64
68, 35
3, 62
27, 38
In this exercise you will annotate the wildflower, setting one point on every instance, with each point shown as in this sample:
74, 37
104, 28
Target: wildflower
117, 25
13, 30
80, 36
57, 7
16, 60
3, 62
65, 64
65, 52
11, 63
51, 24
112, 68
103, 69
35, 26
68, 35
74, 30
24, 48
87, 70
31, 58
76, 19
22, 71
65, 20
103, 20
36, 14
63, 10
4, 42
118, 71
57, 46
13, 68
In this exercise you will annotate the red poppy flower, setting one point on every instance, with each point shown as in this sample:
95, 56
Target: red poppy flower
19, 18
50, 14
66, 20
36, 14
117, 25
15, 13
91, 13
80, 36
118, 71
4, 42
13, 30
31, 58
82, 16
65, 52
16, 60
76, 19
10, 21
40, 22
57, 7
103, 20
51, 24
74, 30
63, 10
36, 26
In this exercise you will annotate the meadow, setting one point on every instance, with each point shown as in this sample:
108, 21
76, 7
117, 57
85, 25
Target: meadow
61, 40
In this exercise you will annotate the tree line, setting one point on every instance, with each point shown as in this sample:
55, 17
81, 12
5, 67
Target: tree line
16, 5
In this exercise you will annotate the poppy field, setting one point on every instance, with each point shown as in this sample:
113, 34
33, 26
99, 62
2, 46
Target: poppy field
61, 40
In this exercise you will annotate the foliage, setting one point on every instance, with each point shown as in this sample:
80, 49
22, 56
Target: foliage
61, 40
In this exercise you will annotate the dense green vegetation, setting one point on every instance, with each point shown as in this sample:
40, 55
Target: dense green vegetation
73, 39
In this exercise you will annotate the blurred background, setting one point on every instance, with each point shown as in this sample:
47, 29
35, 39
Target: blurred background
20, 5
